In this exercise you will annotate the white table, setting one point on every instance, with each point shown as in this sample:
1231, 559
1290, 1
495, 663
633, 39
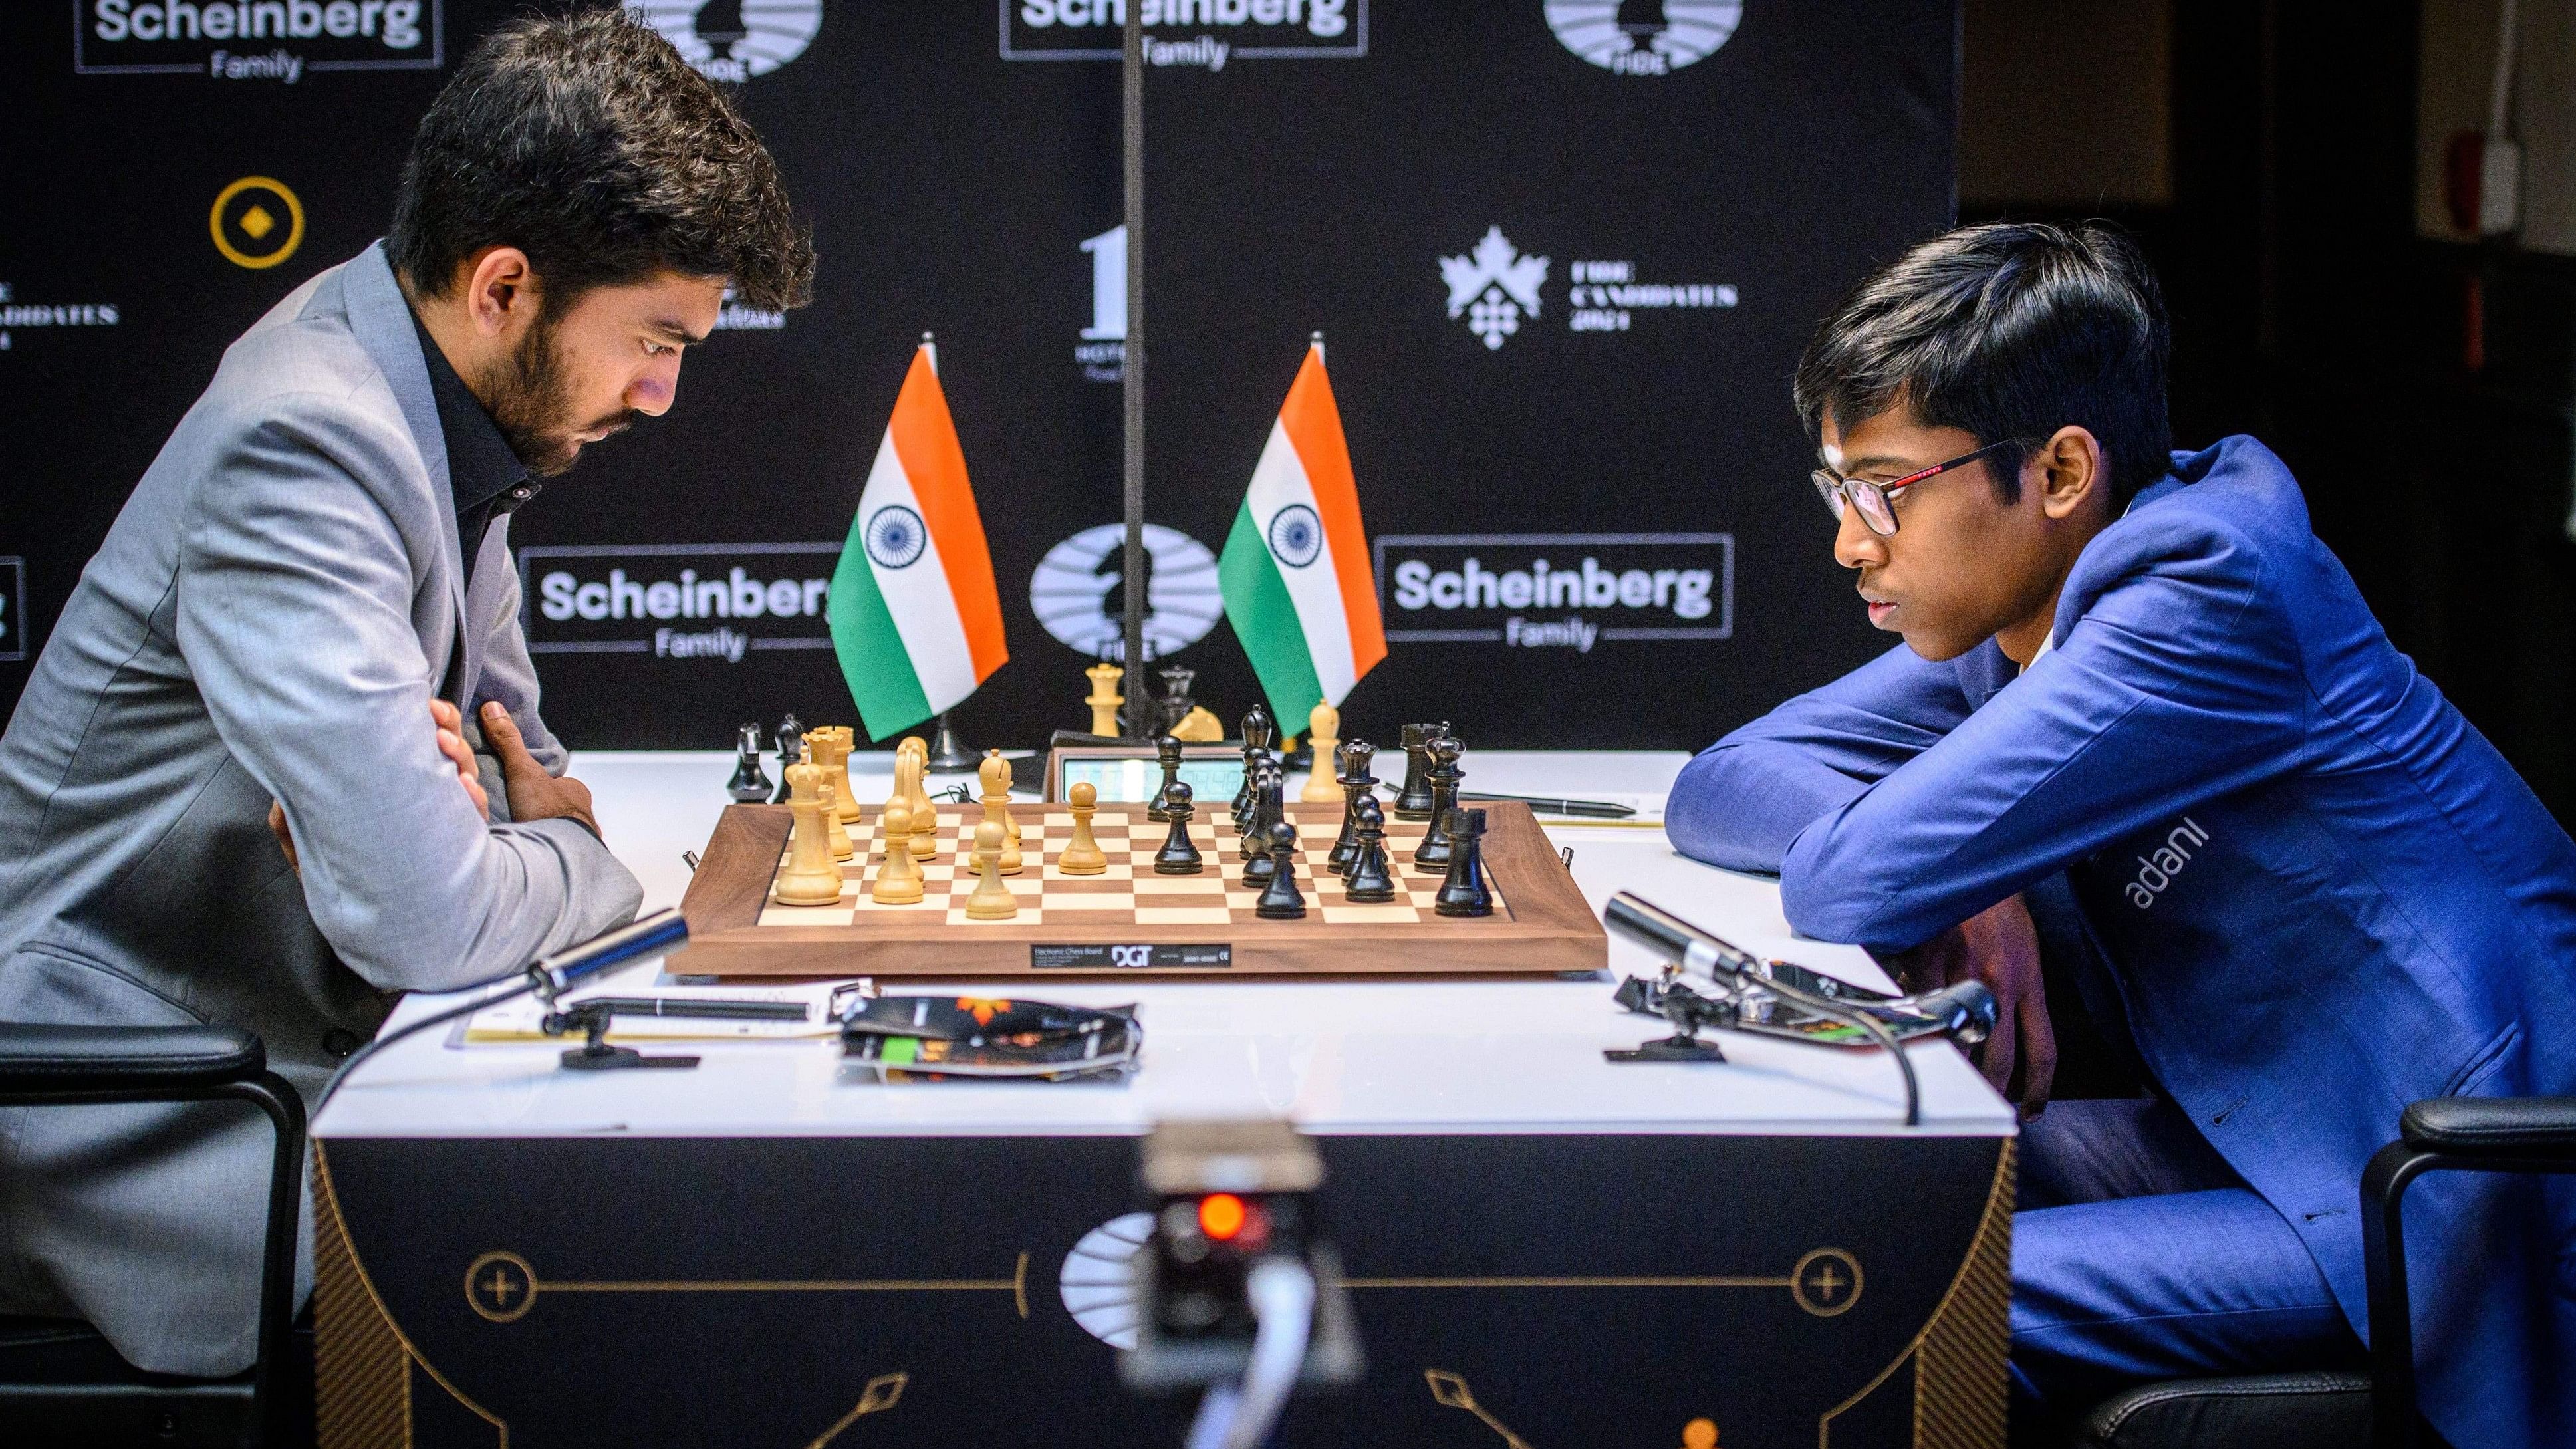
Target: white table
1331, 1055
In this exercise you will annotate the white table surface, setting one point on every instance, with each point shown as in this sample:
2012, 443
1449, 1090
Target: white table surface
1335, 1056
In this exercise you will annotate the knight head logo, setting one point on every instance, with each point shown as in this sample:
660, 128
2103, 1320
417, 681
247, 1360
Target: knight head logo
1493, 285
734, 40
1643, 37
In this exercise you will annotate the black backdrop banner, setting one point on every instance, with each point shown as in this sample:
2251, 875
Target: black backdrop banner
1563, 254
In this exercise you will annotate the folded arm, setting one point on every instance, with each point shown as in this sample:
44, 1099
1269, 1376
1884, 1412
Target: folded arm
1743, 799
2178, 685
294, 614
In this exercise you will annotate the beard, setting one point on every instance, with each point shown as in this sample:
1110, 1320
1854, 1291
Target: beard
529, 395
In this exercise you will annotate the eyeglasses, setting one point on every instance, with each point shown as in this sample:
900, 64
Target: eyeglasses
1877, 501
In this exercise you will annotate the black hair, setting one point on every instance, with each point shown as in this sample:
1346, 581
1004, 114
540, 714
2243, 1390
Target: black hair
589, 144
2007, 331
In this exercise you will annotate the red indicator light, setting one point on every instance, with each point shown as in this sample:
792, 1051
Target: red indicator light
1221, 1215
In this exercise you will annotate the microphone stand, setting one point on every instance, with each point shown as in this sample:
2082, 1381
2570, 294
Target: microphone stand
1740, 973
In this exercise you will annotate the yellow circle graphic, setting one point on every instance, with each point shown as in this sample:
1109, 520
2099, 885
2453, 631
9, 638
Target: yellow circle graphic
501, 1287
1826, 1282
258, 223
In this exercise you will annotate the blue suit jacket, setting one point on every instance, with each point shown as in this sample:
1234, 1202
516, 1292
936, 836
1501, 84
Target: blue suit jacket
2320, 893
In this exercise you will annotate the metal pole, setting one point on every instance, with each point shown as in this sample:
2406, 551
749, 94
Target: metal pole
1132, 138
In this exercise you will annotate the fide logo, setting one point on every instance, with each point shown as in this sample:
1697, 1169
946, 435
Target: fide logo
734, 40
1643, 37
1076, 591
1493, 285
257, 222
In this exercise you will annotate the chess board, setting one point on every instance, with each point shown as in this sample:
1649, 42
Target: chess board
1129, 919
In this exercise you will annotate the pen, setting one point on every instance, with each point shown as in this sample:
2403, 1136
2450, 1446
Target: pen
700, 1006
1550, 805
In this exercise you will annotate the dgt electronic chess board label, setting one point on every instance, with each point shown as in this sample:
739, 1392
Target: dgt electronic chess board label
1137, 957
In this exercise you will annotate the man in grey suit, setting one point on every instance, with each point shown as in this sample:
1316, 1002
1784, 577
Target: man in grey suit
281, 759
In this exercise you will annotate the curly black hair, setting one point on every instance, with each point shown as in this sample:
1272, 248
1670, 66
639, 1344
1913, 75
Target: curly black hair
588, 143
2009, 331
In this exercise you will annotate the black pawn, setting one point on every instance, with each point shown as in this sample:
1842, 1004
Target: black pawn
791, 751
1443, 777
1413, 802
1357, 756
1168, 751
1372, 883
1281, 901
1465, 892
1179, 855
749, 786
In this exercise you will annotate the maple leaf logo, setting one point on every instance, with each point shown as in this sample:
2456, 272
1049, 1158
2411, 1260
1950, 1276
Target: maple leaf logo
982, 1009
1493, 284
1494, 263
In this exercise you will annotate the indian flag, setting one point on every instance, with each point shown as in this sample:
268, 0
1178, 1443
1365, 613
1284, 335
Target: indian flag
1295, 572
915, 617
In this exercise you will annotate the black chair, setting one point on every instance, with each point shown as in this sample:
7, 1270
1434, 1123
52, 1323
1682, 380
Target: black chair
60, 1382
2328, 1410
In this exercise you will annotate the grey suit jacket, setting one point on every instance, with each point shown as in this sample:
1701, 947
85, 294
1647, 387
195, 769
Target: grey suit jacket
268, 619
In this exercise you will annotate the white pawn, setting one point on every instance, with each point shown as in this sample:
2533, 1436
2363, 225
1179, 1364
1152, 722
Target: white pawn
992, 900
898, 881
1082, 855
1323, 730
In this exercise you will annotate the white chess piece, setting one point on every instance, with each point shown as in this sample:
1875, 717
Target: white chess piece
1323, 731
995, 773
992, 900
810, 878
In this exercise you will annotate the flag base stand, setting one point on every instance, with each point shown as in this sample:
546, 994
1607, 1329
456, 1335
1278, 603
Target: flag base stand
949, 753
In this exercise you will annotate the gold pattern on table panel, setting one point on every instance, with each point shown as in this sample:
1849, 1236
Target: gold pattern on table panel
1959, 1377
350, 1311
882, 1393
1451, 1392
501, 1286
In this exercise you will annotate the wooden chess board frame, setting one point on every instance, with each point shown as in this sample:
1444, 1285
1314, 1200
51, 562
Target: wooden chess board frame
1131, 921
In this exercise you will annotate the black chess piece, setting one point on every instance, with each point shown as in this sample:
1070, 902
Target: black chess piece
1281, 900
1179, 855
1443, 777
1413, 802
1357, 756
1257, 735
1269, 808
791, 751
749, 786
1177, 704
1466, 892
1372, 883
1167, 752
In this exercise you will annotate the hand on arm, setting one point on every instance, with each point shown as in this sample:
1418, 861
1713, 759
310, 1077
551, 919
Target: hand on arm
534, 794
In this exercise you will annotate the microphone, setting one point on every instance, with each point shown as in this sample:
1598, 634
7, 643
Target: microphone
547, 978
1734, 967
553, 975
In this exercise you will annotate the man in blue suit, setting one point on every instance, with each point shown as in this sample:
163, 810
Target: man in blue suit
2311, 892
